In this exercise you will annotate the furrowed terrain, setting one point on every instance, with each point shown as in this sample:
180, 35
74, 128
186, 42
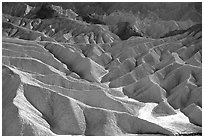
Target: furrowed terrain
65, 75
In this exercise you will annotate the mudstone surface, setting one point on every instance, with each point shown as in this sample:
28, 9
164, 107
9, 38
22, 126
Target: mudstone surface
69, 73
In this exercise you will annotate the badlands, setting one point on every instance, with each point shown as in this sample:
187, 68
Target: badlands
101, 69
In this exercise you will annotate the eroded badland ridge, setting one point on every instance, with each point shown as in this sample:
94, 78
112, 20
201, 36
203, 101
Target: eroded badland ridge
68, 70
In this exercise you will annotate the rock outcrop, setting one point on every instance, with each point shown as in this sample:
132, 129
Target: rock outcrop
64, 76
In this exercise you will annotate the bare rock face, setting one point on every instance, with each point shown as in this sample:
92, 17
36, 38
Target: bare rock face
194, 113
64, 76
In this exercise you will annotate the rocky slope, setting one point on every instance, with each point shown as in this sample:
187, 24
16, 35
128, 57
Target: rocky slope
64, 76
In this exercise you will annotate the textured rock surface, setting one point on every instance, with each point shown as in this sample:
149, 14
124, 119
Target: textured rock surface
63, 76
